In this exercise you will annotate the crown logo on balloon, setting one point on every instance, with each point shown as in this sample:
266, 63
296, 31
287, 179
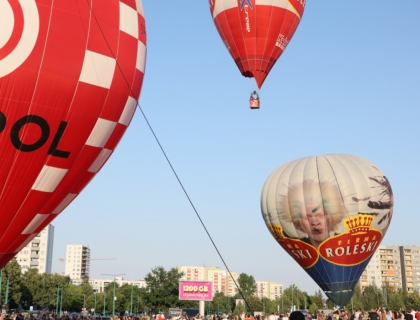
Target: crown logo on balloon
361, 223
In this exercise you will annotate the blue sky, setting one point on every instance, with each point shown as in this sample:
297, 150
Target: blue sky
347, 83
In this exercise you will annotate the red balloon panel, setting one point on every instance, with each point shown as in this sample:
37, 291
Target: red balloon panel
70, 74
256, 32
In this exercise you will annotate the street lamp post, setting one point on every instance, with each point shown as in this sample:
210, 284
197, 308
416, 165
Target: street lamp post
58, 296
94, 305
1, 280
131, 300
6, 301
61, 301
114, 297
104, 302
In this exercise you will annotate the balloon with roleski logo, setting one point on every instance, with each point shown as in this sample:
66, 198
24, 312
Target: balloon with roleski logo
71, 72
330, 213
256, 32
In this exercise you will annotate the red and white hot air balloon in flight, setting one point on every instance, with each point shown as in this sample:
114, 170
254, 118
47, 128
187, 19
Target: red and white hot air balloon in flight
256, 32
71, 72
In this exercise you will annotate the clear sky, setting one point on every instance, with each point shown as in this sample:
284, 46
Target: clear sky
347, 83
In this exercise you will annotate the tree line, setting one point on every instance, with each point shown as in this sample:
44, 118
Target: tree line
56, 292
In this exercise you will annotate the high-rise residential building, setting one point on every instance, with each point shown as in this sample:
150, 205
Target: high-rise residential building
232, 281
192, 273
214, 274
410, 268
38, 252
225, 282
218, 277
394, 266
269, 290
77, 261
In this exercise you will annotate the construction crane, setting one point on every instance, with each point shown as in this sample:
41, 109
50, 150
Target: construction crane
101, 258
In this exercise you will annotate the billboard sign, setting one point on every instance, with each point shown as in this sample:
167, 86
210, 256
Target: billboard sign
196, 290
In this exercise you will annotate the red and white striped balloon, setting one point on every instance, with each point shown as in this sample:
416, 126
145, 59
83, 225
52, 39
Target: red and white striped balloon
70, 74
256, 32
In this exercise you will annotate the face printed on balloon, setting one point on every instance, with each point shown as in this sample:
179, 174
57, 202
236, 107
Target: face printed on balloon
314, 221
315, 209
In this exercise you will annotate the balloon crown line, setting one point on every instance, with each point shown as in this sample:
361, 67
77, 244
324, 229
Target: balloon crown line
362, 223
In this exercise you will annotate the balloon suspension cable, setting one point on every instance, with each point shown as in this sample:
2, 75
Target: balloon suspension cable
168, 161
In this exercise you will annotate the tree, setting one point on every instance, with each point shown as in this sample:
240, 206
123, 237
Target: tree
295, 295
395, 300
162, 290
269, 306
356, 301
372, 298
239, 309
412, 301
254, 304
247, 285
284, 303
12, 272
318, 300
313, 308
40, 289
73, 298
220, 303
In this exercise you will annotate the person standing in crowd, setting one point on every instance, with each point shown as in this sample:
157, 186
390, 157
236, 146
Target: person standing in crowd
373, 315
296, 315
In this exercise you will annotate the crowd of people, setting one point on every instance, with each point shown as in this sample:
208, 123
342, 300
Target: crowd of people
374, 314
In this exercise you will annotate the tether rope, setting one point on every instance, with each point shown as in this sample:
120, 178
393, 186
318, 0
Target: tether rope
167, 159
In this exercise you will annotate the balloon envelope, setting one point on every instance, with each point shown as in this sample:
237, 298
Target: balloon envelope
330, 214
256, 32
70, 74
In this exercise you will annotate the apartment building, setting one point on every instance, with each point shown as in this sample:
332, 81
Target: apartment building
394, 266
77, 262
410, 268
225, 282
269, 290
99, 285
38, 252
232, 280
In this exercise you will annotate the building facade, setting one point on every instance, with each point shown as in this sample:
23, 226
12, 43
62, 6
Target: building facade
226, 283
394, 266
410, 268
214, 274
99, 285
269, 290
38, 252
77, 262
232, 281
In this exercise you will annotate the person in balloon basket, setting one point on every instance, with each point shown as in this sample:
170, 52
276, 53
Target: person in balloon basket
315, 209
